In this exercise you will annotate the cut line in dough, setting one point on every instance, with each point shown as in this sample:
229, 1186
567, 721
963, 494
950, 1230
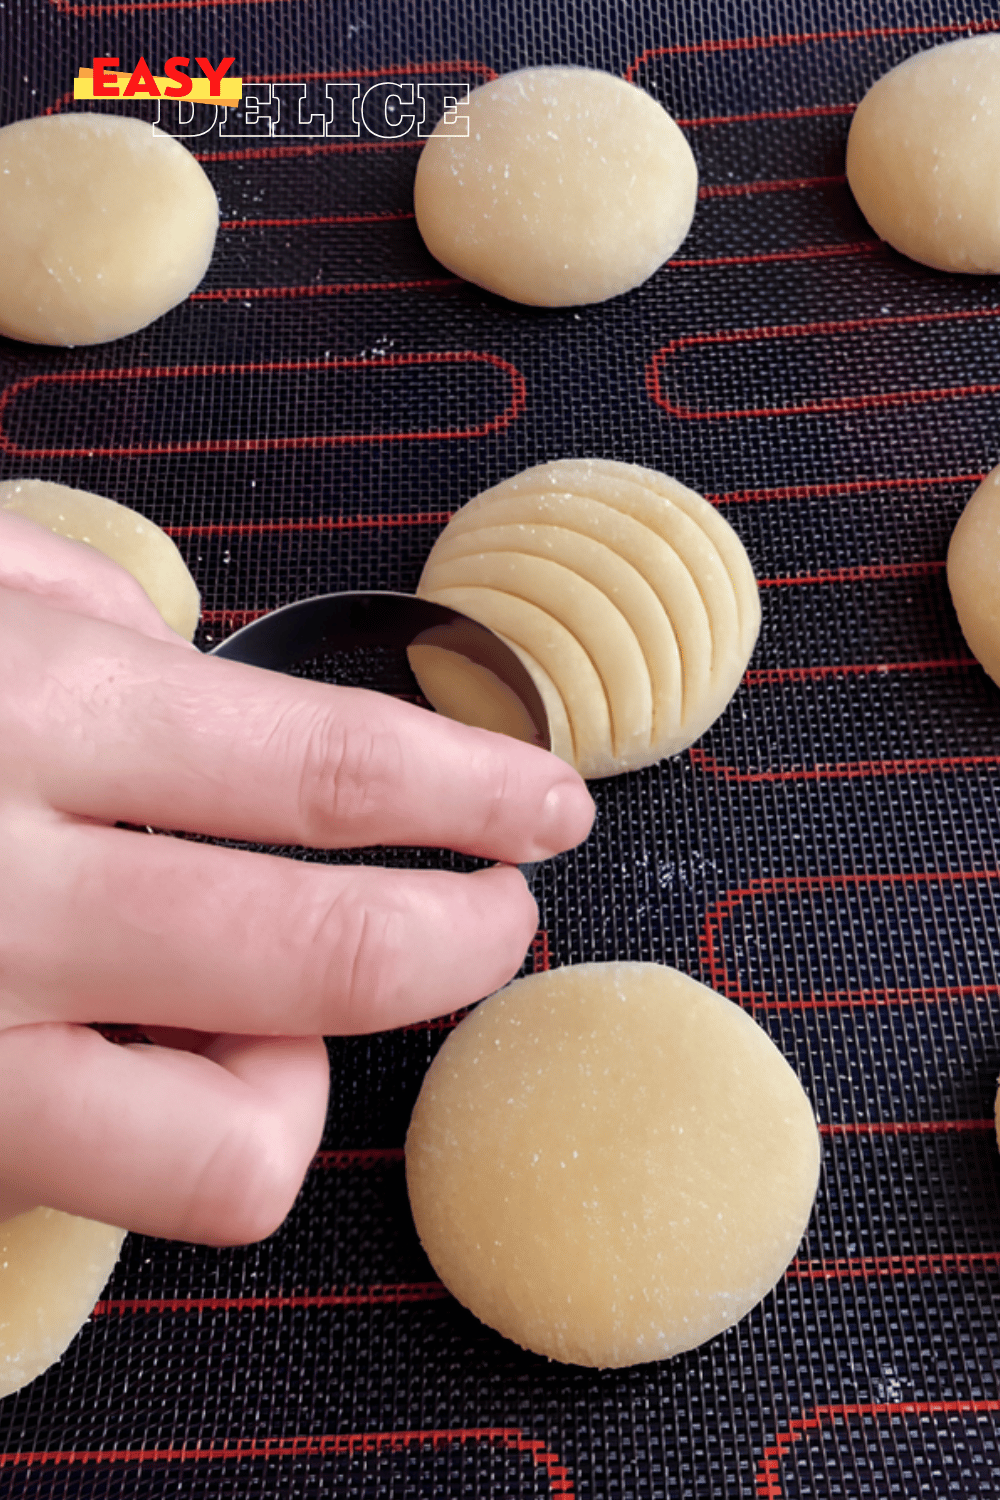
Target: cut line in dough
629, 592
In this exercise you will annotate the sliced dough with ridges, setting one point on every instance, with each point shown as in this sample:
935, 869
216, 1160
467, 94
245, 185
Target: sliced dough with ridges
585, 476
609, 572
677, 642
662, 515
640, 515
731, 549
601, 629
540, 636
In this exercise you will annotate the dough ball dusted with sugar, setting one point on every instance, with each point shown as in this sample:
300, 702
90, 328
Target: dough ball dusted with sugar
53, 1267
138, 545
628, 597
923, 156
610, 1163
974, 573
572, 186
105, 224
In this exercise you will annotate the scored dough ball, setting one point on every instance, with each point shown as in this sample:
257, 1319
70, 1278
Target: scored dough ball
105, 224
629, 599
974, 573
53, 1267
610, 1163
572, 186
138, 545
923, 156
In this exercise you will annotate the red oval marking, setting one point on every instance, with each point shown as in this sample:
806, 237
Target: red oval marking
128, 412
768, 1476
745, 360
802, 39
866, 898
841, 488
392, 1293
309, 1445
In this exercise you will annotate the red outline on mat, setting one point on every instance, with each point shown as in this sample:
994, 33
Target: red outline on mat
861, 1267
377, 1294
328, 289
307, 1446
801, 39
825, 327
714, 952
359, 1156
768, 1478
762, 257
755, 676
390, 216
855, 770
768, 185
837, 488
864, 573
313, 523
515, 407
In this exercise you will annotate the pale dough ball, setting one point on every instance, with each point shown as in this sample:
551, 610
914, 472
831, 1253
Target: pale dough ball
923, 156
628, 597
610, 1163
974, 573
53, 1267
138, 545
104, 226
571, 186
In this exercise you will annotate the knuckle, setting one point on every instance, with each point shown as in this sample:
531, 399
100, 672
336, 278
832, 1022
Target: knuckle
356, 947
343, 769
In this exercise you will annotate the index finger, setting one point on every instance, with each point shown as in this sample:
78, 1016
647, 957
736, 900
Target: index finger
166, 737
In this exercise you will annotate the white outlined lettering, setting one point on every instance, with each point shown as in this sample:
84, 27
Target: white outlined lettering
342, 119
381, 110
441, 105
184, 118
254, 117
296, 110
296, 117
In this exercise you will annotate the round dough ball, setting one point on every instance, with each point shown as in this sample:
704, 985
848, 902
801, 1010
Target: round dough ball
923, 156
122, 534
974, 573
53, 1267
571, 186
610, 1163
105, 224
628, 598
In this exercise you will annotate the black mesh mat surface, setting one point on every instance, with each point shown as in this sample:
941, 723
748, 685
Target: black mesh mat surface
827, 856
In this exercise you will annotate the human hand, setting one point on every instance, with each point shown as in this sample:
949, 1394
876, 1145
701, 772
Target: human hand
235, 963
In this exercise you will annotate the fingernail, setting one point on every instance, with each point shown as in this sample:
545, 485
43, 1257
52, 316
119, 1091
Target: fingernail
566, 819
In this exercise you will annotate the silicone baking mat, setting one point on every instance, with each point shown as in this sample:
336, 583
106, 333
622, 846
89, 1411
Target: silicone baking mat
827, 856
